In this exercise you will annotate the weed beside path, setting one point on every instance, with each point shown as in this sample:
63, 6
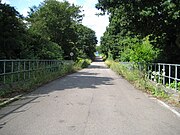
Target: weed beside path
11, 92
139, 80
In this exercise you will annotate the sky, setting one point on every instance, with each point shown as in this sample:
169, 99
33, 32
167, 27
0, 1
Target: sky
98, 24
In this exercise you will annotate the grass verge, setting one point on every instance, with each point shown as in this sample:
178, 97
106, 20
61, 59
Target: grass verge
10, 91
139, 80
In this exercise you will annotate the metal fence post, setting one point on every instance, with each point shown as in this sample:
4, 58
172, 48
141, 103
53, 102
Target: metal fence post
24, 70
37, 70
151, 71
148, 70
33, 69
12, 70
176, 77
163, 74
159, 73
19, 70
29, 70
169, 75
155, 72
44, 67
4, 76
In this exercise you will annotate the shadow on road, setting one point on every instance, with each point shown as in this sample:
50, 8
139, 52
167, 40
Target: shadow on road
13, 107
97, 66
80, 80
98, 59
83, 80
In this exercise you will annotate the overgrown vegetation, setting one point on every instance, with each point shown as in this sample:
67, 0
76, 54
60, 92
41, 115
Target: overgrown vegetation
82, 63
173, 85
52, 30
10, 90
138, 79
142, 30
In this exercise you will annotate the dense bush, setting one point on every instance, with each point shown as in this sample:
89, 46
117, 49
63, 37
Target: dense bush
138, 18
141, 51
82, 63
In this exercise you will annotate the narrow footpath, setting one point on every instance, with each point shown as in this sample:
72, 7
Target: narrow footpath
93, 101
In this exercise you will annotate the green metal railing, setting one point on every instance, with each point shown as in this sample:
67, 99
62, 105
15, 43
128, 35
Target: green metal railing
166, 74
19, 70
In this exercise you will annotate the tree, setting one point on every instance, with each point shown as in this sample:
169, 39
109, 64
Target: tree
38, 47
87, 41
51, 31
158, 18
18, 41
12, 32
142, 51
56, 22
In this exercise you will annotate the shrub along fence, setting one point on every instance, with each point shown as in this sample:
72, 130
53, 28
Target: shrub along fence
20, 70
21, 76
166, 74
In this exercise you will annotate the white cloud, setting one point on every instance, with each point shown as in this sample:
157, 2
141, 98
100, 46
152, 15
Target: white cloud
70, 1
91, 20
97, 23
25, 11
5, 1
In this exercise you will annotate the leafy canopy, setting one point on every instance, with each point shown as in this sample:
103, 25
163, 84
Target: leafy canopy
130, 18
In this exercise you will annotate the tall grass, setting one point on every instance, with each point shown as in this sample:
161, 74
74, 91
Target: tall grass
40, 78
138, 79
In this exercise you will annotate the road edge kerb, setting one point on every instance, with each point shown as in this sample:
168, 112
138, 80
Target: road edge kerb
169, 108
10, 100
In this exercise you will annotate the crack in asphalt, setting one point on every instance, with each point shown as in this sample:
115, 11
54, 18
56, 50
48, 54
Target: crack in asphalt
87, 118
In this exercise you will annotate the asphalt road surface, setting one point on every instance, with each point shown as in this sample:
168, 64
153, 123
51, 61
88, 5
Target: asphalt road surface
93, 101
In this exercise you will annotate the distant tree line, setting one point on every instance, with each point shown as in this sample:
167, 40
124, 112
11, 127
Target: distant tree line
51, 31
142, 30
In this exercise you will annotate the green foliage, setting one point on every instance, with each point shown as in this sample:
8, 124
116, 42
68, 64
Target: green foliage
51, 50
51, 31
104, 57
86, 44
158, 18
82, 63
12, 32
173, 85
126, 55
141, 51
55, 21
63, 29
98, 48
137, 79
39, 78
38, 47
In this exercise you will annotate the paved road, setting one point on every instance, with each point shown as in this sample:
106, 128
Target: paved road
94, 101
